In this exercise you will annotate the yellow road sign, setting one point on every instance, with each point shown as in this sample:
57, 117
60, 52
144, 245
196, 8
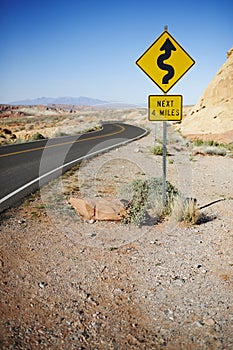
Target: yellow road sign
165, 107
165, 62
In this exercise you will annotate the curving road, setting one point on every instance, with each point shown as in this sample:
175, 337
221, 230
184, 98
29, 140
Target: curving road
24, 168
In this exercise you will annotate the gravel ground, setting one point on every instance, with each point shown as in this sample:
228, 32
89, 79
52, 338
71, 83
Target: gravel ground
69, 284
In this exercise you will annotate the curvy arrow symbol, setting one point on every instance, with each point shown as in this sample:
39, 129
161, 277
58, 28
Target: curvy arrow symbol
168, 47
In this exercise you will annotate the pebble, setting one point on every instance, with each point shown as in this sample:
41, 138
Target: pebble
203, 271
209, 322
179, 281
42, 285
198, 324
91, 234
187, 306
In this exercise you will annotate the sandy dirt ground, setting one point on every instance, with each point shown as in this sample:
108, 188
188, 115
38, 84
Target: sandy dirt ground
70, 284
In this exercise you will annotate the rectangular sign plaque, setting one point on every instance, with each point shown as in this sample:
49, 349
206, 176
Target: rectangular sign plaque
165, 107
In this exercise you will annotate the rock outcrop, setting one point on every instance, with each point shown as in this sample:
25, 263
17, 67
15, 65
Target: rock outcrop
109, 209
212, 117
6, 136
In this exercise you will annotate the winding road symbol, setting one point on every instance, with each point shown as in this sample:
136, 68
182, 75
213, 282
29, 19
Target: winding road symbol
165, 61
168, 47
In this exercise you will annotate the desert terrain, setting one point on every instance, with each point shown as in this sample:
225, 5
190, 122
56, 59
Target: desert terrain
69, 283
212, 116
165, 282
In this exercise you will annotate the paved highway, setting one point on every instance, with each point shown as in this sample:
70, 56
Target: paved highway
24, 168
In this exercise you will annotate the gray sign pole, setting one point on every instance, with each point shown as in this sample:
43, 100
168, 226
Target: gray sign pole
164, 163
164, 154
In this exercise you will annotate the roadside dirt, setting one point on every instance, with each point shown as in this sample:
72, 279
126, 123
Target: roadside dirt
70, 284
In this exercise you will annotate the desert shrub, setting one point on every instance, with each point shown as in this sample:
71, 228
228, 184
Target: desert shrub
30, 127
216, 151
60, 134
36, 136
75, 131
205, 143
92, 128
211, 151
19, 140
214, 147
185, 209
145, 200
157, 150
155, 194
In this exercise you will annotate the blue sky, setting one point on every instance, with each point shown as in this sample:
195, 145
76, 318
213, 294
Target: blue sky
89, 47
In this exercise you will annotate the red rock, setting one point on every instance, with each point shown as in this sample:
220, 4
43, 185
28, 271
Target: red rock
99, 208
84, 207
109, 209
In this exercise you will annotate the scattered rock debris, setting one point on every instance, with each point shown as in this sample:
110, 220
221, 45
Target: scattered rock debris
169, 287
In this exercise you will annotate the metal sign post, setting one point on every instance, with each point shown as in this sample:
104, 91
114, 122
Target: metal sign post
165, 62
164, 164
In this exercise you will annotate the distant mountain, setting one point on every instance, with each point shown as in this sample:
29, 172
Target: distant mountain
81, 101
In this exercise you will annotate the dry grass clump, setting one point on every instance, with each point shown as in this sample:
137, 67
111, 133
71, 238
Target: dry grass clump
212, 148
185, 209
157, 150
66, 130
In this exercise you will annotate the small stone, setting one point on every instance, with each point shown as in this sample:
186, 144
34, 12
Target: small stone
179, 281
42, 285
91, 234
209, 322
203, 271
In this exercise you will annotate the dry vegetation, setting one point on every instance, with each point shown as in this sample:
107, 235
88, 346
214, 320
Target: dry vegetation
22, 124
163, 284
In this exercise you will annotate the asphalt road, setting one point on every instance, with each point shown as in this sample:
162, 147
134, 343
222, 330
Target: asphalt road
24, 168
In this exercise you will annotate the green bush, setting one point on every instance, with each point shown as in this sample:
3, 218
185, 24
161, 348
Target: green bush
145, 200
227, 146
205, 143
157, 150
60, 134
216, 151
37, 136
